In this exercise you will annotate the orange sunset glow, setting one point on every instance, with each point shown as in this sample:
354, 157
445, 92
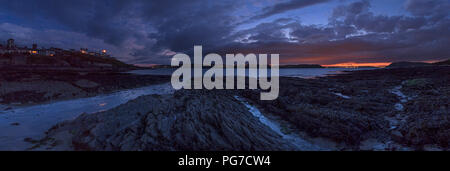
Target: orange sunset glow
353, 64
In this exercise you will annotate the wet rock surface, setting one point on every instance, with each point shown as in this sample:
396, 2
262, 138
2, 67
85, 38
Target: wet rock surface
367, 108
186, 120
34, 87
356, 110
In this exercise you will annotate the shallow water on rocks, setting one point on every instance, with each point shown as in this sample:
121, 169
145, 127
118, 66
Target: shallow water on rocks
403, 98
19, 123
297, 141
341, 95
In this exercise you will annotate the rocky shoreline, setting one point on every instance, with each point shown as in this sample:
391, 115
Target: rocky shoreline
22, 87
183, 121
361, 108
354, 111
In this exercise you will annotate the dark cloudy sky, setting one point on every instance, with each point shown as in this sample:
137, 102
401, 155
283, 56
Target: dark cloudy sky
301, 31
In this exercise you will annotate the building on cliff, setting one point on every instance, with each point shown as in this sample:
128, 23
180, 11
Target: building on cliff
10, 44
12, 48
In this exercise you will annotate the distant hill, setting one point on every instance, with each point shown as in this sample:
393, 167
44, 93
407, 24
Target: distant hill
162, 66
281, 66
446, 62
416, 64
408, 64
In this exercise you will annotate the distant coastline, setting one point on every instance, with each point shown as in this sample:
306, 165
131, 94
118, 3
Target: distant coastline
350, 65
406, 64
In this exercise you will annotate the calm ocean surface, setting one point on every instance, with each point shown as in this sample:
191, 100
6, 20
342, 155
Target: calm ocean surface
286, 72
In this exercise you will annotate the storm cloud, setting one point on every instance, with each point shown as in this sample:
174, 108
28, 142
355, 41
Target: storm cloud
286, 6
144, 32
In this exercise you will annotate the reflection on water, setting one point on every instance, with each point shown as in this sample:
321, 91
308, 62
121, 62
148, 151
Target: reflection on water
297, 141
286, 72
35, 120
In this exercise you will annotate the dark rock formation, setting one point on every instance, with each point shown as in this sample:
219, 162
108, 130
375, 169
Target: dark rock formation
187, 120
317, 106
349, 109
33, 86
